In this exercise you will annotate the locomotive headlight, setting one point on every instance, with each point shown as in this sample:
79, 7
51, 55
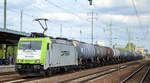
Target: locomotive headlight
37, 61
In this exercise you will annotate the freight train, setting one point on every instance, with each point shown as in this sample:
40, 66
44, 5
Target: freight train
47, 55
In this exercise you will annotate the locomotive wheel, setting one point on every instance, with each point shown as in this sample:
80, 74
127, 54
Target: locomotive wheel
48, 72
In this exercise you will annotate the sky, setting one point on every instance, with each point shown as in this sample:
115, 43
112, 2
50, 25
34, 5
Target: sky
75, 18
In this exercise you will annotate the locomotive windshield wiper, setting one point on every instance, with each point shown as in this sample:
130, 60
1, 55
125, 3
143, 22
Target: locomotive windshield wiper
33, 49
24, 49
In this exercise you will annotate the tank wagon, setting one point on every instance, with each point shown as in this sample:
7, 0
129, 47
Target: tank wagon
45, 55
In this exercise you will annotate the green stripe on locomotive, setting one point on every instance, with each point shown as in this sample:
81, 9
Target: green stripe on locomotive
45, 41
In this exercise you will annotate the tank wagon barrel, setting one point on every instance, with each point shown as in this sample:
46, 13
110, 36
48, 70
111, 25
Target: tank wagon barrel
85, 50
88, 50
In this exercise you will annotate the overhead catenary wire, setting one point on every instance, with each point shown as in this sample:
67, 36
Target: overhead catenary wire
23, 13
81, 18
44, 11
136, 12
14, 11
82, 6
35, 16
32, 16
139, 19
61, 8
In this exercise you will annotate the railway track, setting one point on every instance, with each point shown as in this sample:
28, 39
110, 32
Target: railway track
12, 80
141, 75
7, 74
79, 79
91, 76
20, 79
5, 78
146, 76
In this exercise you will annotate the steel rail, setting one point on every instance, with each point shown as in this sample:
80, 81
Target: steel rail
132, 74
145, 75
101, 73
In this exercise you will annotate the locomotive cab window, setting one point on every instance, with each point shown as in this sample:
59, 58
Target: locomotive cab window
30, 45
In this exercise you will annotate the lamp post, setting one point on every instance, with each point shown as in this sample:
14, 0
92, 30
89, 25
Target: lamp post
5, 13
90, 1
